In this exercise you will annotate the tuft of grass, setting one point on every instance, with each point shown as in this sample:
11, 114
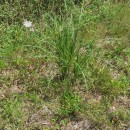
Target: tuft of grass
11, 112
71, 104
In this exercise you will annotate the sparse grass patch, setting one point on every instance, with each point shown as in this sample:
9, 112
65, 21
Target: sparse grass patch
11, 113
74, 58
70, 104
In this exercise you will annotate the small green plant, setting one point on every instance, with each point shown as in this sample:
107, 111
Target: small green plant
71, 104
65, 51
67, 45
33, 97
12, 112
2, 64
117, 116
104, 83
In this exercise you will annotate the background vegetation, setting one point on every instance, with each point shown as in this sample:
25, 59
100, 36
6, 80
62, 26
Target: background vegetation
70, 69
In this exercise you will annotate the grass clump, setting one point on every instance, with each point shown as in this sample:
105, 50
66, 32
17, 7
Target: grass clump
12, 114
67, 52
70, 104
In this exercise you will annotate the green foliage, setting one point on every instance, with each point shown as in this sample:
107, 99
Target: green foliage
117, 116
71, 104
12, 112
77, 48
2, 64
67, 53
14, 11
67, 45
105, 84
33, 97
65, 50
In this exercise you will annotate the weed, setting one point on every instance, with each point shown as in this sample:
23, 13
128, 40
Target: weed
33, 97
117, 116
12, 112
70, 104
